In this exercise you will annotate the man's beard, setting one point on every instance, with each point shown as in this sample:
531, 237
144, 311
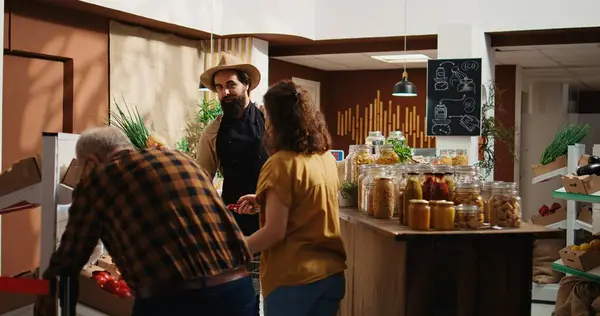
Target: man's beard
231, 107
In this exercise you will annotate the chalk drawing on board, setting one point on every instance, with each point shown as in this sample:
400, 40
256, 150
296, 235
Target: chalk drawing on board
461, 81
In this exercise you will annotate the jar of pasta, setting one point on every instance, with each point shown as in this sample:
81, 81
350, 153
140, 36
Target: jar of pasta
467, 216
348, 170
419, 215
362, 173
384, 197
468, 193
444, 157
413, 190
442, 215
386, 155
398, 173
460, 158
505, 205
369, 182
361, 157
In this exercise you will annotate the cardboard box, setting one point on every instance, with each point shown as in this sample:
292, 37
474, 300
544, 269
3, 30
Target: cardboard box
73, 174
13, 301
90, 294
23, 173
587, 184
580, 260
539, 170
557, 216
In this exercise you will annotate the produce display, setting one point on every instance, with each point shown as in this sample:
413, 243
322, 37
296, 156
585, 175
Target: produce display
592, 168
111, 284
568, 135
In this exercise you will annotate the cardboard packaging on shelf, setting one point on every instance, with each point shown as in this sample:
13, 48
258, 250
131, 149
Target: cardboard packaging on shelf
580, 260
10, 302
539, 170
587, 184
23, 173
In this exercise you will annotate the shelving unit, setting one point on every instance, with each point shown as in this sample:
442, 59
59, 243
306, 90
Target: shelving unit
58, 149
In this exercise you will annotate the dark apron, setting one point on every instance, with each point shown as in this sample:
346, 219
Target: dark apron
242, 154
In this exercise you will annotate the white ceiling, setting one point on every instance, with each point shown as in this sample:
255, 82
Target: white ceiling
578, 64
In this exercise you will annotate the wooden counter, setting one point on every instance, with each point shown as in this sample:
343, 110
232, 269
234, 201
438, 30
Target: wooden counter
393, 270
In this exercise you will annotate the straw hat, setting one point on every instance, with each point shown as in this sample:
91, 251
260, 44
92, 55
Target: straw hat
229, 61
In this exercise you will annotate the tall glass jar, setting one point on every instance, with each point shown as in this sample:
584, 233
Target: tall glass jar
439, 184
369, 182
466, 173
414, 187
375, 139
460, 159
396, 135
468, 193
505, 205
384, 196
348, 170
386, 155
362, 174
398, 172
362, 156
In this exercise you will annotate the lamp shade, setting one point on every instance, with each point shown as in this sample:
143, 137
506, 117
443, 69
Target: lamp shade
404, 88
203, 88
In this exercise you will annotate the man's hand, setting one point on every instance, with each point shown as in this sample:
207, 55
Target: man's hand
247, 204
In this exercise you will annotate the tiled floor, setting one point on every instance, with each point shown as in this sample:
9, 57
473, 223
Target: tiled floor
541, 309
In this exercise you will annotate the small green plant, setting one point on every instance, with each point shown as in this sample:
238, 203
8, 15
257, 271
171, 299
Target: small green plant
131, 123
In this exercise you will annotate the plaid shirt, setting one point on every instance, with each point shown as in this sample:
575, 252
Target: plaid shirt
158, 216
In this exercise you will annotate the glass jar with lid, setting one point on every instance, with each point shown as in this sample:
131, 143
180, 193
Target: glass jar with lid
348, 170
362, 156
386, 155
444, 157
505, 205
369, 182
362, 173
442, 215
460, 158
384, 196
419, 215
414, 187
467, 216
396, 136
398, 173
468, 193
466, 173
375, 139
439, 184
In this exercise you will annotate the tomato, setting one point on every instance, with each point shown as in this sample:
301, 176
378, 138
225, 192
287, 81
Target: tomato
100, 279
123, 292
111, 285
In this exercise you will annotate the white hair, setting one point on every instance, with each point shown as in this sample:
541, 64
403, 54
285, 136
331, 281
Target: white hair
101, 141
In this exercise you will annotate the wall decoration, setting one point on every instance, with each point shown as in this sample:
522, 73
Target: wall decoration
356, 122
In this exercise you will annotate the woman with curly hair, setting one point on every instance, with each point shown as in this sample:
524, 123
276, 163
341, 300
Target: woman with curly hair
303, 257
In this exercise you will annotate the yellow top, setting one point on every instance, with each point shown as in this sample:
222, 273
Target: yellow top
312, 248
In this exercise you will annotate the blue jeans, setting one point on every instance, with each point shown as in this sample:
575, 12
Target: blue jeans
320, 298
234, 298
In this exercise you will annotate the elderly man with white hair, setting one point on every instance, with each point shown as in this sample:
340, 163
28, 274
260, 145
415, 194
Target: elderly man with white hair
158, 215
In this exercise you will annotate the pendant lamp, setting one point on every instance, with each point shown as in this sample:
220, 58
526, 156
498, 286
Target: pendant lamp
404, 88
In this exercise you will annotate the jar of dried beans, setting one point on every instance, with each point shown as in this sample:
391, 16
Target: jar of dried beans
386, 155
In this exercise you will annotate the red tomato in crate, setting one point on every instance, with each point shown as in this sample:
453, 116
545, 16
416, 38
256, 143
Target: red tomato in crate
111, 286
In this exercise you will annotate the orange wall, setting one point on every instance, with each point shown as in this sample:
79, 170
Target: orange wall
55, 79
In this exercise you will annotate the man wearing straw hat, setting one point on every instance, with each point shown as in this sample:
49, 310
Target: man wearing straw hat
233, 142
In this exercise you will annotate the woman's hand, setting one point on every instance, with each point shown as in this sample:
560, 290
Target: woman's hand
247, 203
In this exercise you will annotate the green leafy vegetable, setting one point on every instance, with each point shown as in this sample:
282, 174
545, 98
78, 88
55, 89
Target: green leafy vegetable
568, 135
401, 149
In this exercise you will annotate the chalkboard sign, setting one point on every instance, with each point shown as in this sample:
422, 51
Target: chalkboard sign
454, 97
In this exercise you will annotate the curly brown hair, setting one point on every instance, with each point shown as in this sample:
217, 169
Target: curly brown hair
295, 123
